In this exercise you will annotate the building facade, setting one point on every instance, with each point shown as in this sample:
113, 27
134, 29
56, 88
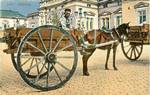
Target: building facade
32, 20
95, 14
84, 12
136, 12
10, 18
110, 14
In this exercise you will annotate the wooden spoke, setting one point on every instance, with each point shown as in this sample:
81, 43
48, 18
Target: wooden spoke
56, 72
58, 42
40, 36
38, 71
63, 66
51, 40
129, 50
35, 65
137, 50
38, 76
26, 61
30, 66
44, 66
68, 46
131, 53
48, 75
35, 47
134, 53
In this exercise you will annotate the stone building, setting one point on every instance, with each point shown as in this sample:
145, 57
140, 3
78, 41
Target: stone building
110, 13
95, 14
84, 12
9, 18
32, 20
136, 12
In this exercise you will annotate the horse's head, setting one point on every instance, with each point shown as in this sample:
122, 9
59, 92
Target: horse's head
123, 29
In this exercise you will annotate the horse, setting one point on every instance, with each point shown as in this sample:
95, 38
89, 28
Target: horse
102, 37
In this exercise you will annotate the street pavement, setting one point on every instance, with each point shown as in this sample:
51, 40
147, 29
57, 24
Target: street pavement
132, 77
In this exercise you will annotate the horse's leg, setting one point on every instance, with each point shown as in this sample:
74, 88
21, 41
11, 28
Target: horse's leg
114, 57
108, 53
85, 60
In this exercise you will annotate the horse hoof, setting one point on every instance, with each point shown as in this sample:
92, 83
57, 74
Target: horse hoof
86, 74
106, 68
115, 69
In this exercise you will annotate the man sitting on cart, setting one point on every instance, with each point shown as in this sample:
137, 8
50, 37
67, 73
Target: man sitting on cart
65, 20
66, 24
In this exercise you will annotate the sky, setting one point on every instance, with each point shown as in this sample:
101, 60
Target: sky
22, 6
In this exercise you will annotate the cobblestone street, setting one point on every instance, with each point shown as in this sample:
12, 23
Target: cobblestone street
132, 78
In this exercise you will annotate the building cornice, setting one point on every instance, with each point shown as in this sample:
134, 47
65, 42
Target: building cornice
105, 13
66, 2
33, 14
118, 11
141, 4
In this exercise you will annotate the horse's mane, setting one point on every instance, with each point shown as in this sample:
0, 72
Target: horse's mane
122, 26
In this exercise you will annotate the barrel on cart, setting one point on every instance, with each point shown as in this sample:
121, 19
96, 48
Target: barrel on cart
132, 43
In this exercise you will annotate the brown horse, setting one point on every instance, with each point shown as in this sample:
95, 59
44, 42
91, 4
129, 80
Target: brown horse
102, 37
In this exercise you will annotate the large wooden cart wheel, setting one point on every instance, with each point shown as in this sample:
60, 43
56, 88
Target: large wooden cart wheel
14, 61
54, 51
131, 50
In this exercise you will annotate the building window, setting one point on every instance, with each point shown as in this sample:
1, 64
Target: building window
80, 12
79, 26
118, 20
105, 5
119, 2
32, 26
89, 5
55, 8
32, 17
105, 23
91, 24
142, 16
83, 25
76, 13
62, 6
87, 24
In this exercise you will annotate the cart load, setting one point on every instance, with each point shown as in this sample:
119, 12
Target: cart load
132, 43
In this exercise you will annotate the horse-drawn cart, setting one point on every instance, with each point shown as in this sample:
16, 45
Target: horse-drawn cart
132, 43
46, 57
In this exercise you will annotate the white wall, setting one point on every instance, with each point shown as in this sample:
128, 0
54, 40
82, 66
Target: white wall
32, 22
10, 22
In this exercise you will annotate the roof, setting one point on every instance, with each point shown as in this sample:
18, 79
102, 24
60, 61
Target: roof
104, 13
108, 11
118, 11
10, 14
33, 14
90, 13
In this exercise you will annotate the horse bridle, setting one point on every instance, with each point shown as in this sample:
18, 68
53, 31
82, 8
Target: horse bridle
116, 32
